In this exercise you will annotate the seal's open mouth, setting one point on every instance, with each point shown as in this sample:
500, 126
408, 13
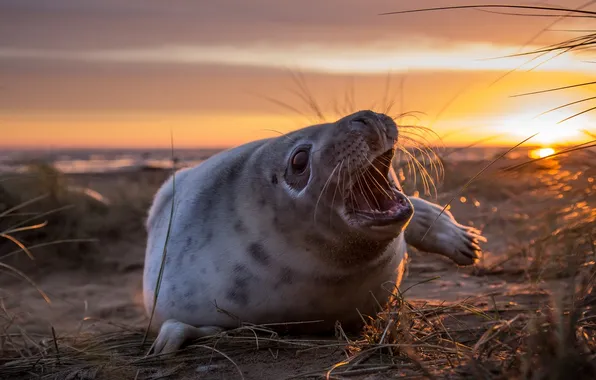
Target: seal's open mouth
374, 198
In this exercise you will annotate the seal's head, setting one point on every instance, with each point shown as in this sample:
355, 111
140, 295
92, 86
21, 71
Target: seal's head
337, 177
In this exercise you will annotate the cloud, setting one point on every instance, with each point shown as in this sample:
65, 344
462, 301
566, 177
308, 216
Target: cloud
111, 24
415, 56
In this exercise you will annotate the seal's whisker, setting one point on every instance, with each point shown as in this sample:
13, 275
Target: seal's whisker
325, 186
379, 186
416, 138
434, 161
429, 157
403, 115
385, 163
409, 165
427, 148
370, 191
351, 183
425, 176
364, 192
305, 94
281, 134
389, 101
364, 173
424, 150
360, 171
282, 104
417, 168
341, 163
410, 129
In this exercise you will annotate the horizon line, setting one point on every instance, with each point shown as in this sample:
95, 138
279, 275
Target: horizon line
166, 148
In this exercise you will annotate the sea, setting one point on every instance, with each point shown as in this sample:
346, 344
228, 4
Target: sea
128, 160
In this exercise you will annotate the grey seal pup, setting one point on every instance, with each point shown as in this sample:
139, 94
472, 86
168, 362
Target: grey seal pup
301, 227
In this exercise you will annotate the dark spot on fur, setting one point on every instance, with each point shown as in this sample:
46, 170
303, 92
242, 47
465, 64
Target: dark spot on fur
188, 243
191, 307
257, 251
286, 277
207, 207
239, 292
274, 179
239, 227
189, 289
203, 271
206, 240
238, 296
262, 202
236, 170
185, 252
172, 304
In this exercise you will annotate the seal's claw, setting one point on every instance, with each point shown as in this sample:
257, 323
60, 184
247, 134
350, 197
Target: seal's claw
173, 334
474, 233
470, 240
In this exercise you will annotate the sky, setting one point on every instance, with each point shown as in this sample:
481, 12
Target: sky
79, 73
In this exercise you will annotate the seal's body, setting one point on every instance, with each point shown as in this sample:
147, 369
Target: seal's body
306, 226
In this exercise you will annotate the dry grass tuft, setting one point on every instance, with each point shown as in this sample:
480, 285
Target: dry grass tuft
120, 353
75, 217
463, 340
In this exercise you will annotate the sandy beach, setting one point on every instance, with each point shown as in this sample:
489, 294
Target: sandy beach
537, 218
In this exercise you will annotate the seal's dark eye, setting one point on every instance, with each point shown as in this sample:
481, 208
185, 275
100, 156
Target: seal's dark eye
300, 161
297, 173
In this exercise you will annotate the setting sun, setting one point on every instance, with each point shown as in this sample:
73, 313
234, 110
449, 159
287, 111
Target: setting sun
541, 153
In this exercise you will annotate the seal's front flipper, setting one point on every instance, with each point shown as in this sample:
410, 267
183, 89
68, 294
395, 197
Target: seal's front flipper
174, 334
446, 237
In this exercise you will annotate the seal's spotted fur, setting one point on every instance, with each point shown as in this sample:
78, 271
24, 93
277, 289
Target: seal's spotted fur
300, 227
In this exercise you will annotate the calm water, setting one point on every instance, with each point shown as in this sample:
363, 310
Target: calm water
114, 160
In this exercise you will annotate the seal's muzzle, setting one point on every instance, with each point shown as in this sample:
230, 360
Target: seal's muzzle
373, 197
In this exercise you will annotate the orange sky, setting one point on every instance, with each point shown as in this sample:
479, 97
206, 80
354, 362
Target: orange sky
114, 74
